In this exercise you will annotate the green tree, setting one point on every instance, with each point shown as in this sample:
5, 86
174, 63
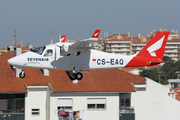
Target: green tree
166, 58
153, 74
170, 69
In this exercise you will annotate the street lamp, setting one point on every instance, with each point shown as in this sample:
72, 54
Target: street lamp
159, 74
178, 76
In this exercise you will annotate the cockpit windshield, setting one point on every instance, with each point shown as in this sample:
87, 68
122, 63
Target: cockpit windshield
38, 50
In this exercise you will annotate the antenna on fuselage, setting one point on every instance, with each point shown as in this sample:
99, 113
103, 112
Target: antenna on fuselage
52, 37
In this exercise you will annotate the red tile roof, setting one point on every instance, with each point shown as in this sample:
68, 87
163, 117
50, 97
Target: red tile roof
174, 40
155, 32
177, 90
106, 80
3, 49
124, 39
127, 69
25, 48
8, 81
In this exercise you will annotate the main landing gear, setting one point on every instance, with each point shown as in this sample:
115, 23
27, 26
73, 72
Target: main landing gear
76, 75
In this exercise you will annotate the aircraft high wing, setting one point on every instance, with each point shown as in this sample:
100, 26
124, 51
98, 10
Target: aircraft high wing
82, 45
81, 56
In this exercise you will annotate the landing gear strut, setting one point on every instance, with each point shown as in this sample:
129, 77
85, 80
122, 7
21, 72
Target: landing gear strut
22, 74
76, 75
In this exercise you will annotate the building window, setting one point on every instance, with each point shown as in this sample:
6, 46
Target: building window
3, 104
12, 103
65, 104
122, 102
35, 111
96, 103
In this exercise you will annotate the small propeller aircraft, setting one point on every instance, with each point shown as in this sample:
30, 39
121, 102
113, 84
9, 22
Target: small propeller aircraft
82, 56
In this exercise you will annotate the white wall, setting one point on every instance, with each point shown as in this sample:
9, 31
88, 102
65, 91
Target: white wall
80, 103
173, 109
36, 99
150, 104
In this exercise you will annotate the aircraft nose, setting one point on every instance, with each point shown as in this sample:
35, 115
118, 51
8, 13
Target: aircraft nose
15, 62
11, 61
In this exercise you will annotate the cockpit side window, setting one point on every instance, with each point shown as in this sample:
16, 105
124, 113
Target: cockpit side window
48, 53
38, 50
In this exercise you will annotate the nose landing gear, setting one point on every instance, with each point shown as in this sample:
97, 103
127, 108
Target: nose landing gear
22, 74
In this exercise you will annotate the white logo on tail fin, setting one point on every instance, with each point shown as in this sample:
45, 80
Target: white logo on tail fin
157, 45
62, 39
95, 34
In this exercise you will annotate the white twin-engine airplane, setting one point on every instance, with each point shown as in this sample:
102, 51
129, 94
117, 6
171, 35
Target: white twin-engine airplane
81, 56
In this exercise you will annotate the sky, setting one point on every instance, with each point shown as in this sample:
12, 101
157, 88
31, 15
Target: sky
78, 19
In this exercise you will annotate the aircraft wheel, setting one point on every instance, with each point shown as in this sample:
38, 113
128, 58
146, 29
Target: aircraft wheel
72, 76
21, 74
79, 76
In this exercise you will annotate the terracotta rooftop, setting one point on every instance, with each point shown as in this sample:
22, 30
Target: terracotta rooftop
154, 32
124, 39
3, 49
8, 82
177, 90
127, 69
106, 80
174, 40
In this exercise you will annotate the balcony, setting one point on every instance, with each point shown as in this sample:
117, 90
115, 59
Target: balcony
169, 47
119, 50
17, 114
171, 51
127, 113
126, 109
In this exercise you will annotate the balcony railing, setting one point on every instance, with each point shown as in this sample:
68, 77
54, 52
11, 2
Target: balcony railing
16, 111
129, 109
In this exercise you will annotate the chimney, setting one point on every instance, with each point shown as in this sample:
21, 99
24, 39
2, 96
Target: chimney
45, 72
177, 35
30, 46
143, 39
118, 36
131, 49
10, 48
148, 35
128, 34
105, 34
17, 51
173, 30
139, 35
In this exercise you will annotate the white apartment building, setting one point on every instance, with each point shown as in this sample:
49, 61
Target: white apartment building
124, 44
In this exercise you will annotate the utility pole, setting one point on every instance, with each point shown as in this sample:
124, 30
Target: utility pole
178, 76
159, 74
